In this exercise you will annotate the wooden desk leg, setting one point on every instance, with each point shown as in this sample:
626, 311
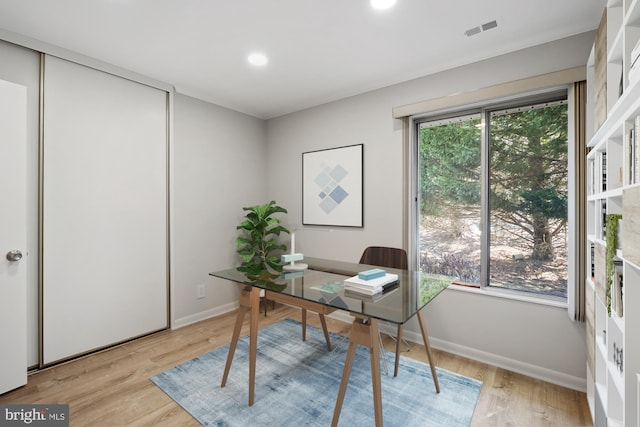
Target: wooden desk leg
234, 342
376, 383
249, 302
427, 346
363, 332
254, 302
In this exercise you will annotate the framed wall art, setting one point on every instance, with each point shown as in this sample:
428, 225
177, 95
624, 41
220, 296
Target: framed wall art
332, 187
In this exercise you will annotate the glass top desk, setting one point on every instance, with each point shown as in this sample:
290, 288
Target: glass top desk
320, 289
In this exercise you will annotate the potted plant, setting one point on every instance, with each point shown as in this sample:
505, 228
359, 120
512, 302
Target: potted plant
258, 245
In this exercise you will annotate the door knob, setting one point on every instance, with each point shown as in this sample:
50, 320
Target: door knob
15, 255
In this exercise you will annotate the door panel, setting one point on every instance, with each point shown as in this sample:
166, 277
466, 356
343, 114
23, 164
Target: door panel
13, 236
104, 210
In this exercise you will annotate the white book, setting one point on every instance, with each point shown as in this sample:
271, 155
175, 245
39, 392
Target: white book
384, 289
377, 283
372, 291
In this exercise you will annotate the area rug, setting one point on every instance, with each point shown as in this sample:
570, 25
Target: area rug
297, 384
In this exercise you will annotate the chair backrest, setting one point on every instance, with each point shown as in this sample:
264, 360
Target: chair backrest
385, 257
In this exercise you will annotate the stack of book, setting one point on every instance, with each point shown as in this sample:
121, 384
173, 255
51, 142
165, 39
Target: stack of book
371, 282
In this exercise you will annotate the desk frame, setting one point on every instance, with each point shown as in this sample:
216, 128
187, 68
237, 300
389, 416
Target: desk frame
249, 301
364, 331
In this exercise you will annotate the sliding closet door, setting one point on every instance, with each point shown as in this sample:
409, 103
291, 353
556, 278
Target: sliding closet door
104, 209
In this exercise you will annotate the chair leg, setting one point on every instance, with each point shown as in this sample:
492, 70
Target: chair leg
304, 324
398, 339
382, 355
265, 301
325, 330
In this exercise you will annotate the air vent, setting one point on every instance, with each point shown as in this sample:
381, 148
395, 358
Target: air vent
472, 32
484, 27
489, 25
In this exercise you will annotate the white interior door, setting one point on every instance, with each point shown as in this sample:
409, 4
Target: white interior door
13, 236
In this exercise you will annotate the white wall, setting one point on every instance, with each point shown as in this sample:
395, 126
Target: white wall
532, 338
218, 168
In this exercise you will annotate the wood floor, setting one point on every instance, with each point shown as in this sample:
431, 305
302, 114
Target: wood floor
112, 388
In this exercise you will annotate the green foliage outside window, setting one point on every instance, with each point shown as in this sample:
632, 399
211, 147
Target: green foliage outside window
513, 232
450, 166
529, 154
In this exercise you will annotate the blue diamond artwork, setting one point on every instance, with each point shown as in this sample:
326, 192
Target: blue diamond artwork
338, 173
338, 194
323, 179
332, 186
332, 193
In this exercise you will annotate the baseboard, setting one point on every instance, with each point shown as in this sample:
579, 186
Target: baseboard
548, 375
544, 374
203, 315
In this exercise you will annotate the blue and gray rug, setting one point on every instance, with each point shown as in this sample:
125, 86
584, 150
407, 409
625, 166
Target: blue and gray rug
297, 384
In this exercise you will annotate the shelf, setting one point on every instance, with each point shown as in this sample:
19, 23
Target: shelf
618, 322
601, 389
616, 192
633, 14
628, 102
614, 396
632, 264
615, 53
616, 378
601, 347
614, 423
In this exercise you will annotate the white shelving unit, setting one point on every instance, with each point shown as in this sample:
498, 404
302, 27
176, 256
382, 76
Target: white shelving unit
614, 372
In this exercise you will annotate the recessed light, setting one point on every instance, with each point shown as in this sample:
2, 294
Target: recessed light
258, 59
382, 4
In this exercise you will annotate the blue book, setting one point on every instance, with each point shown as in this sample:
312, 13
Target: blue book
371, 274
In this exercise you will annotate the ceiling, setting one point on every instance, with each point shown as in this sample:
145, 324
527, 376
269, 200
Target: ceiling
318, 50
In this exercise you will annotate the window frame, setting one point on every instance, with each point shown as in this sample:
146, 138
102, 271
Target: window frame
484, 108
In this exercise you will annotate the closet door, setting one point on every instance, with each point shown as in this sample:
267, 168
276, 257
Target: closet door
104, 210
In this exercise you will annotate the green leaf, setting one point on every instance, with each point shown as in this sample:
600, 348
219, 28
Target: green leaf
258, 244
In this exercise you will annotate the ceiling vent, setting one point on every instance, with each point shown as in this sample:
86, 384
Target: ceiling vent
472, 31
489, 25
484, 27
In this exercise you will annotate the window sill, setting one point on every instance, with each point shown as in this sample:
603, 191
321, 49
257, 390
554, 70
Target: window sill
511, 295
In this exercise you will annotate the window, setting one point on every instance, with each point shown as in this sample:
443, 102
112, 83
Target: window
492, 196
450, 218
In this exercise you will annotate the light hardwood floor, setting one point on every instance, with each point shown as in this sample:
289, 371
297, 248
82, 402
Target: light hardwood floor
112, 388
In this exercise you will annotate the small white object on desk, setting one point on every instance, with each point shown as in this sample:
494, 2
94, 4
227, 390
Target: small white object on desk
293, 257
